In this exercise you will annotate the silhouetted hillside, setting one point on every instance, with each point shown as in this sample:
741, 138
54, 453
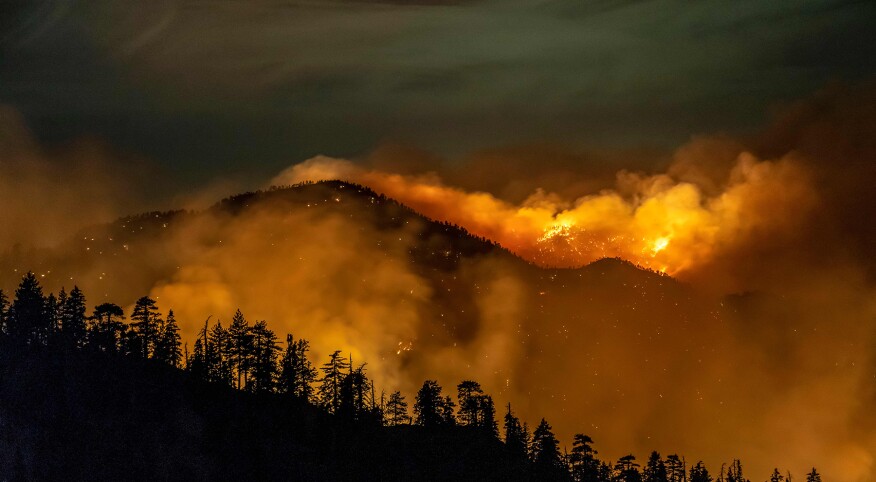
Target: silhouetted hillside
85, 416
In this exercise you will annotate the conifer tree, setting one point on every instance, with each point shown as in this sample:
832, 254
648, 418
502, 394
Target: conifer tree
216, 351
584, 465
106, 329
27, 321
776, 476
145, 326
734, 472
545, 449
297, 374
813, 476
446, 411
655, 469
698, 473
428, 405
355, 403
516, 439
627, 469
675, 468
330, 383
167, 349
240, 352
73, 320
396, 410
264, 357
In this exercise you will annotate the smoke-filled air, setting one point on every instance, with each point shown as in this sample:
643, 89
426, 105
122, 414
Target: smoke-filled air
733, 316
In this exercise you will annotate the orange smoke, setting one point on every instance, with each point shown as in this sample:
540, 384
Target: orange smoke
656, 221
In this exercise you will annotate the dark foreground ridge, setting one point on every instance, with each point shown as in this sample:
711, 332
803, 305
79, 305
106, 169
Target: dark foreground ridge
70, 415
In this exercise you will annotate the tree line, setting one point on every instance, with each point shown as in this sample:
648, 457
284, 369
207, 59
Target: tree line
248, 357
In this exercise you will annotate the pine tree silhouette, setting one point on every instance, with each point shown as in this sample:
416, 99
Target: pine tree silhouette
145, 326
396, 410
329, 392
699, 473
240, 352
106, 330
297, 374
28, 322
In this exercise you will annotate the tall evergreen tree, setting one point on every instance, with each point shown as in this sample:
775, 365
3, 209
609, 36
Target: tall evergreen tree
627, 469
264, 357
145, 324
396, 410
28, 322
428, 405
584, 464
698, 473
675, 468
813, 476
73, 321
446, 410
329, 393
655, 469
216, 352
240, 352
106, 330
546, 449
734, 472
468, 395
168, 346
297, 374
356, 403
476, 409
516, 439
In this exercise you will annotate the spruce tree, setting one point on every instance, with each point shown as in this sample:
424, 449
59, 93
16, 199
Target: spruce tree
516, 443
297, 374
145, 324
264, 351
168, 347
813, 476
584, 465
216, 350
627, 469
73, 326
27, 321
329, 393
428, 404
675, 468
106, 329
240, 348
396, 410
699, 473
546, 449
655, 469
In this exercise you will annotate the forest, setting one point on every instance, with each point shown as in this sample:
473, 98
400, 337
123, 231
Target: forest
105, 395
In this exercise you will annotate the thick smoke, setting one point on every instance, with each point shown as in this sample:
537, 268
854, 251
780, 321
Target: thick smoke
763, 351
48, 194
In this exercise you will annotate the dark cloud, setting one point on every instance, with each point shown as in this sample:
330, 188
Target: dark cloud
206, 87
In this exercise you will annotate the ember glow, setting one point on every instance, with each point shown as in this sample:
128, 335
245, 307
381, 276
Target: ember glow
658, 221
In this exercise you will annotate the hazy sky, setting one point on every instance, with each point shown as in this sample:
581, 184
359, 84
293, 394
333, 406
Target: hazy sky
243, 88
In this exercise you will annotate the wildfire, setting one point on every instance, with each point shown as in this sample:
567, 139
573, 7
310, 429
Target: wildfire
655, 221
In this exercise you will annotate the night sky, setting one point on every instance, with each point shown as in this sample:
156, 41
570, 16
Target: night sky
242, 89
